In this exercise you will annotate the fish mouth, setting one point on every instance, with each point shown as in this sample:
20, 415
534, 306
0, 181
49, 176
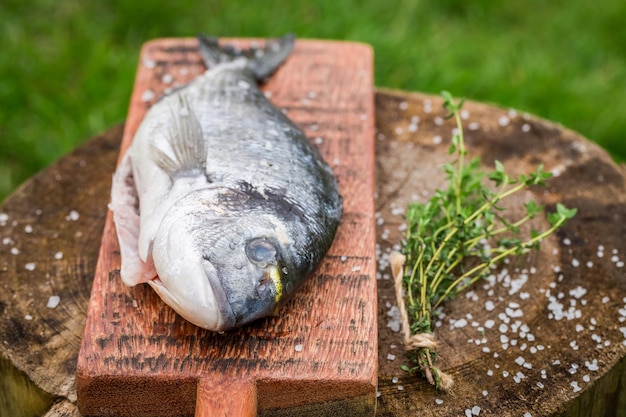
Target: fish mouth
216, 317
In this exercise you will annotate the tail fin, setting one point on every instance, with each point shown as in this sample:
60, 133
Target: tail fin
262, 62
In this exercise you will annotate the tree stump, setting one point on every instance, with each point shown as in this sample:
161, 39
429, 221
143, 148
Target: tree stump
50, 230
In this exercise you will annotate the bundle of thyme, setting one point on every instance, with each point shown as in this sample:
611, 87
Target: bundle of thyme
455, 239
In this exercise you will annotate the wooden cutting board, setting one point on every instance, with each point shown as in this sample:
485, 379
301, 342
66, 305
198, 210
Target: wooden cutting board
319, 355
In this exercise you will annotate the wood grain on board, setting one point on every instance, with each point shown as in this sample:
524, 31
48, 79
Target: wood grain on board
319, 354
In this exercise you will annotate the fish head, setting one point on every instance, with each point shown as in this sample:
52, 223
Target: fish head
220, 271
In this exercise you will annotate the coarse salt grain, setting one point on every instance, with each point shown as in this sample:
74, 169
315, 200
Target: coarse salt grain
53, 301
298, 348
438, 401
147, 95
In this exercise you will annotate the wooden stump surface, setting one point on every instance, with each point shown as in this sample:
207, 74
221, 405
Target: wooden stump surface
50, 230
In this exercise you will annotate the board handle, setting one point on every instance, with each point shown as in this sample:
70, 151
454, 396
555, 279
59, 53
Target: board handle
228, 398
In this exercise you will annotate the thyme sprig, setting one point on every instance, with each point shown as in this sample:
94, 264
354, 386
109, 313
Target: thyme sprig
461, 233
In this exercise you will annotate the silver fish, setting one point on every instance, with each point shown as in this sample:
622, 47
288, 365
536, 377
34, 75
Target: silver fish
221, 203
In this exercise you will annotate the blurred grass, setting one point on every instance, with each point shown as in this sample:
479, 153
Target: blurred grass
67, 68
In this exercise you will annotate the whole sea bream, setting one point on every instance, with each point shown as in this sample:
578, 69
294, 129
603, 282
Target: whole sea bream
221, 204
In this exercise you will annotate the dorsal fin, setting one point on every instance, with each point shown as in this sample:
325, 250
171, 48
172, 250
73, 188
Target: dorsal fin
262, 62
186, 141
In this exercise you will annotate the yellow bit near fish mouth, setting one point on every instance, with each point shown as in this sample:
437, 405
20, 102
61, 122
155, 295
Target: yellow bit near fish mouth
275, 277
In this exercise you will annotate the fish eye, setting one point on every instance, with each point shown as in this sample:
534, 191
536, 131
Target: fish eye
261, 251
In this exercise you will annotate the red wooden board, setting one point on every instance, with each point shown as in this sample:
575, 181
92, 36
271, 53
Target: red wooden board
319, 355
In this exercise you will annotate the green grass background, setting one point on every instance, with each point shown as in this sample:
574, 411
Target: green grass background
67, 67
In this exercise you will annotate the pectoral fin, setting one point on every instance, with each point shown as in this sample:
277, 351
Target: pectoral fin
186, 142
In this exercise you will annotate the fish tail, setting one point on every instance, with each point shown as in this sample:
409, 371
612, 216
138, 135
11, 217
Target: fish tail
262, 62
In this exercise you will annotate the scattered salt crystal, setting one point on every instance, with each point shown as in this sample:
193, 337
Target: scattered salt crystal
605, 299
460, 323
574, 384
489, 306
356, 268
437, 140
148, 63
391, 357
58, 255
489, 372
489, 323
147, 95
73, 216
3, 219
298, 348
473, 126
593, 365
485, 392
403, 105
28, 317
394, 322
578, 292
505, 374
167, 78
468, 412
525, 127
135, 303
438, 401
540, 384
475, 410
53, 301
30, 266
586, 378
394, 380
503, 121
567, 241
439, 121
400, 388
28, 228
528, 415
519, 360
575, 263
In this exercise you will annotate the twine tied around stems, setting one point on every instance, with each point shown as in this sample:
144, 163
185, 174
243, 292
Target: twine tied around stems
425, 341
